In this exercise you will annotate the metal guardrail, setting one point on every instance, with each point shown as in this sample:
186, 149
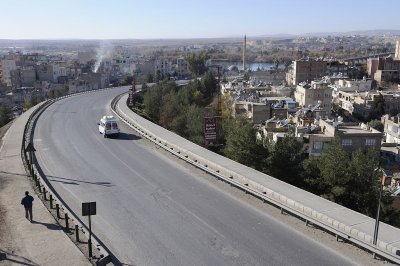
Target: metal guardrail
248, 186
45, 187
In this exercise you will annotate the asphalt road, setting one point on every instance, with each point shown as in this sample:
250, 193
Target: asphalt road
151, 211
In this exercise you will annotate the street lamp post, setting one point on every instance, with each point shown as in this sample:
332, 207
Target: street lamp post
377, 214
386, 179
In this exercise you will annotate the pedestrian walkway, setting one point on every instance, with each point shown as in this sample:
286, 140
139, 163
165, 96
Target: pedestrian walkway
21, 242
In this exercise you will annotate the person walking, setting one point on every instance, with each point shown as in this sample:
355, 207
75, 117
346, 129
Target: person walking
27, 202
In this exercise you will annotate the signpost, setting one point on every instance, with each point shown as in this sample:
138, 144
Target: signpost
211, 131
88, 209
132, 92
30, 149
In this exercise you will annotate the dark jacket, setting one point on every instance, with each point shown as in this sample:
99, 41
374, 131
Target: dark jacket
27, 201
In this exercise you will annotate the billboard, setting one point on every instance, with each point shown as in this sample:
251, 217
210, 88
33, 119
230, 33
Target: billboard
211, 130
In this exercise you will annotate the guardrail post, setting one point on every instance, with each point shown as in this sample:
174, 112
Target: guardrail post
40, 187
77, 233
66, 222
51, 201
58, 211
282, 211
44, 193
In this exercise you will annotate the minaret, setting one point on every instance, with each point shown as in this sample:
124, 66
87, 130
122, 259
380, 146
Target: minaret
397, 52
244, 54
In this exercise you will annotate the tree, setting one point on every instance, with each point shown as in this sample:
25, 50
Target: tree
334, 175
128, 80
378, 107
5, 114
377, 124
149, 78
197, 63
276, 63
152, 99
159, 76
209, 85
194, 126
287, 64
285, 160
312, 176
246, 76
242, 145
168, 110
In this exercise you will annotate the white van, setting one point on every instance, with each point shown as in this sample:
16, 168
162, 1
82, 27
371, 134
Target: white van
108, 126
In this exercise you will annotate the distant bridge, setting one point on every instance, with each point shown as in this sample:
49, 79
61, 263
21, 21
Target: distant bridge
351, 61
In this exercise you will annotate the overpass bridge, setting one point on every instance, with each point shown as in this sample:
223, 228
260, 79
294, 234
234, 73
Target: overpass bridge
352, 61
154, 210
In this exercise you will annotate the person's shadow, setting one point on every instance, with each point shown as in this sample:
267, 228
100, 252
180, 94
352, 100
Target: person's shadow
49, 226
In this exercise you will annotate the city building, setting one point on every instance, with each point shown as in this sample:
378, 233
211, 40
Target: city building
181, 67
163, 68
23, 77
306, 70
391, 128
318, 92
352, 136
6, 66
384, 69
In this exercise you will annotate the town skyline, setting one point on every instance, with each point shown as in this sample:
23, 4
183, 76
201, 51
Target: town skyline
182, 20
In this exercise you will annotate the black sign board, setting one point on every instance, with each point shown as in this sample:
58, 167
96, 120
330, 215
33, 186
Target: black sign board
88, 208
211, 130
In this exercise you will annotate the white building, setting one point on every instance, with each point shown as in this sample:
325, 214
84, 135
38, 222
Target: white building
318, 92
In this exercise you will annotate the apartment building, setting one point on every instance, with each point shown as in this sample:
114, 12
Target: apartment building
314, 93
181, 67
163, 67
306, 70
50, 72
23, 77
384, 69
362, 104
352, 136
391, 128
6, 66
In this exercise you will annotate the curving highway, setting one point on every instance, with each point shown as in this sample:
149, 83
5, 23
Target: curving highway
151, 211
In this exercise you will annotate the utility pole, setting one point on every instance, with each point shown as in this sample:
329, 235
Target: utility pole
244, 54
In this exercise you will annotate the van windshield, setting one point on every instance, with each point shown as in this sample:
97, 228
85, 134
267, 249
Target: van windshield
108, 126
114, 125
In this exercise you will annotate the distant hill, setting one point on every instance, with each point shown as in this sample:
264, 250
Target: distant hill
358, 32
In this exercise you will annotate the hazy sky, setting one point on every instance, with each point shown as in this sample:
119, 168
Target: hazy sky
112, 19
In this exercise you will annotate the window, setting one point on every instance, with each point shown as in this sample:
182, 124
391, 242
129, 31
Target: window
370, 142
318, 145
347, 142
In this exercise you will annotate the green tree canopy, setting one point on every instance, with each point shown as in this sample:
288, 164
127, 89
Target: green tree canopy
197, 63
5, 114
285, 160
378, 107
209, 85
242, 145
377, 124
